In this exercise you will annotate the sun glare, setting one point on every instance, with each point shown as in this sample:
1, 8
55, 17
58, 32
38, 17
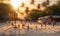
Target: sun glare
16, 3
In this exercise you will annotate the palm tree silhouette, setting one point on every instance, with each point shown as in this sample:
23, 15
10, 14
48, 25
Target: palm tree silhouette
45, 4
27, 10
38, 6
32, 2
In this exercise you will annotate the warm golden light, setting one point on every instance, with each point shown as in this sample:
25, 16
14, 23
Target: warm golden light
16, 3
21, 9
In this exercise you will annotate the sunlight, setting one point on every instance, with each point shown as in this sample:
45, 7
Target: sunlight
16, 3
21, 9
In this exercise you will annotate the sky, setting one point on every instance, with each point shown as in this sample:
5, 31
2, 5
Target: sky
40, 1
37, 1
27, 2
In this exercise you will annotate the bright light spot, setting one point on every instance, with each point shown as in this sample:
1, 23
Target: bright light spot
21, 9
43, 8
16, 3
22, 15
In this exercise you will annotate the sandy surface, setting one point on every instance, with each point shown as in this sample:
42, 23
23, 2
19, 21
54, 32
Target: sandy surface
7, 29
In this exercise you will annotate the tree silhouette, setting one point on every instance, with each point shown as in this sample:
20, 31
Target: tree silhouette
38, 6
44, 4
6, 10
35, 14
55, 9
32, 2
27, 10
22, 5
58, 3
47, 2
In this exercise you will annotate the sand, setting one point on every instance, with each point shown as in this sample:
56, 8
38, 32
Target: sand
7, 29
